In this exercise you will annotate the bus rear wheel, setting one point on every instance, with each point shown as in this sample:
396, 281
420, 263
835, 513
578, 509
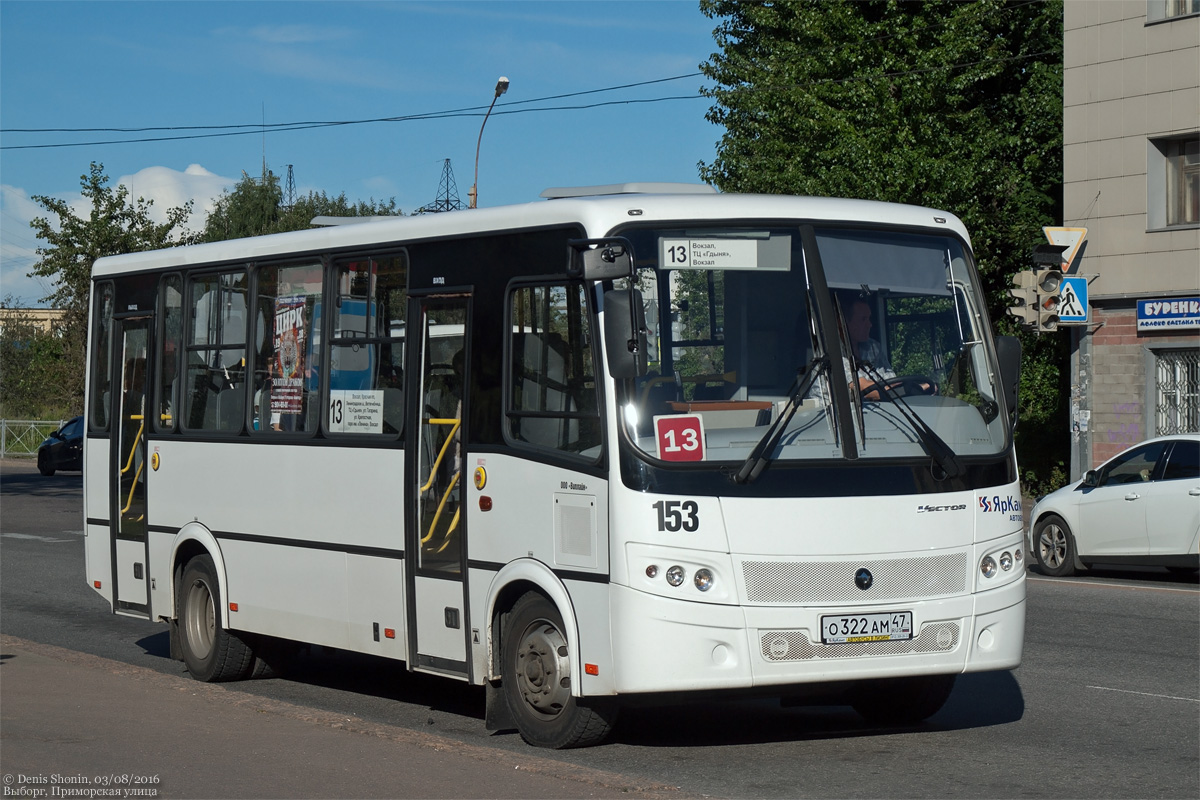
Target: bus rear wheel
902, 701
537, 681
210, 652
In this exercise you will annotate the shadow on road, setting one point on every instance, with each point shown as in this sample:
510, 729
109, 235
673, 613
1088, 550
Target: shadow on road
25, 480
714, 722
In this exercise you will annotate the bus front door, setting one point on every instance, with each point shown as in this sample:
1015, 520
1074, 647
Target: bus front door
436, 526
127, 505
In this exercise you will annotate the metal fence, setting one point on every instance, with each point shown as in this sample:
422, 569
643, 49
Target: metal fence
19, 438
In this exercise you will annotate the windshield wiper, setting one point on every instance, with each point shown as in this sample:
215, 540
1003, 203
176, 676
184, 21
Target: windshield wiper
759, 457
934, 445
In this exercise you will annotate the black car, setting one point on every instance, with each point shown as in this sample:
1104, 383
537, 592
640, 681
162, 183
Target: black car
63, 449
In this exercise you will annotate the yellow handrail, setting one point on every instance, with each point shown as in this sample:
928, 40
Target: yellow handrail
438, 514
136, 440
136, 477
455, 423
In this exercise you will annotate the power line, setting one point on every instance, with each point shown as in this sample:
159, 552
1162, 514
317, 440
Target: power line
258, 126
476, 111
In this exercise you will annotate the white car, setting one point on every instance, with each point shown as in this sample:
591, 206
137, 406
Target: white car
1140, 507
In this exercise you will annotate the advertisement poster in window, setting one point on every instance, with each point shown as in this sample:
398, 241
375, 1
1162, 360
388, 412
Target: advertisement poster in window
287, 388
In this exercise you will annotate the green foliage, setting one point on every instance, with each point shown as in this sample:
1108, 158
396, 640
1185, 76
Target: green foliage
114, 225
39, 375
46, 371
943, 104
255, 207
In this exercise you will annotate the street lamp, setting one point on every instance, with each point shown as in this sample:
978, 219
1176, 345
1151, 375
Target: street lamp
501, 88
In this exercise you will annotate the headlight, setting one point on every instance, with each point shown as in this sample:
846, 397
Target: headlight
1006, 561
675, 575
703, 580
988, 567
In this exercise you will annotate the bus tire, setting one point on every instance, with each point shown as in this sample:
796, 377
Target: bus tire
902, 701
537, 678
210, 652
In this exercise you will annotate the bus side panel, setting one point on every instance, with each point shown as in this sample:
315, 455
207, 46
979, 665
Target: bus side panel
559, 517
340, 507
97, 543
376, 597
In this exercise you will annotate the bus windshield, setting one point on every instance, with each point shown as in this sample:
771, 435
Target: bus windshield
749, 330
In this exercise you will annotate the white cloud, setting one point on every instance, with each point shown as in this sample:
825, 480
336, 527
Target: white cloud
169, 188
166, 187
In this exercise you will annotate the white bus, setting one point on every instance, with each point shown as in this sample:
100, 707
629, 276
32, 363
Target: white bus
624, 444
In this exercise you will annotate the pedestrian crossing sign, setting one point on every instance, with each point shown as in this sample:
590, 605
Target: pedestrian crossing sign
1073, 300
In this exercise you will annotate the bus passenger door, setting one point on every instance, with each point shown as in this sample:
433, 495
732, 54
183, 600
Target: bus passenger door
127, 506
435, 546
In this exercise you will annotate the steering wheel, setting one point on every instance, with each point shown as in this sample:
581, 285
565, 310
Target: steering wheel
904, 385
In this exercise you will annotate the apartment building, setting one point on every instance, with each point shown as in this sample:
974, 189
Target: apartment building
1131, 164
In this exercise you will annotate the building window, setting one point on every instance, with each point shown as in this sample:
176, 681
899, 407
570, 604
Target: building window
1177, 391
1183, 182
1157, 10
1173, 182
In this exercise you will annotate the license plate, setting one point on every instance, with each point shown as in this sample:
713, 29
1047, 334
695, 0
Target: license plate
892, 626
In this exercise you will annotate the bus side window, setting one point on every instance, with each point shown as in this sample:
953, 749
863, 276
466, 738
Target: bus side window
552, 383
216, 353
102, 353
366, 357
287, 361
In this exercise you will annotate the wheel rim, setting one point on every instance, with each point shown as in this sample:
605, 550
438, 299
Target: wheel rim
543, 669
200, 619
1052, 546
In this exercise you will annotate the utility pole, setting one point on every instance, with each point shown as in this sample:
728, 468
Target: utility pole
289, 192
447, 196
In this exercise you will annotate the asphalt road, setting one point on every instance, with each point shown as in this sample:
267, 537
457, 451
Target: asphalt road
1105, 704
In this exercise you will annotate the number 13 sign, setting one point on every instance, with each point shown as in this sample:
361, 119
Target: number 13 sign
680, 437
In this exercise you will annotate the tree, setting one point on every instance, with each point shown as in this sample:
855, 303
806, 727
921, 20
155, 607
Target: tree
255, 207
114, 225
39, 375
944, 104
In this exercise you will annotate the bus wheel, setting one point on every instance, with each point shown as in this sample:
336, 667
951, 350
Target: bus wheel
537, 681
902, 701
210, 652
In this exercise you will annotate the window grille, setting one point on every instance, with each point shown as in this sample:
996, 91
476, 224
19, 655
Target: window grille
1177, 390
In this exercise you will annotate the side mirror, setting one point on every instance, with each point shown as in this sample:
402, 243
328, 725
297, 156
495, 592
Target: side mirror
1008, 350
601, 259
625, 333
1091, 479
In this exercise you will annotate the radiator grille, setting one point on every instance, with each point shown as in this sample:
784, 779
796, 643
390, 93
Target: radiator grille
804, 582
937, 637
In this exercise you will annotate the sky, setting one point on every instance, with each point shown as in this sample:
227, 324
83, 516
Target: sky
189, 70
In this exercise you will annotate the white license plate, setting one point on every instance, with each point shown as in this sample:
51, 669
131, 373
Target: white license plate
892, 626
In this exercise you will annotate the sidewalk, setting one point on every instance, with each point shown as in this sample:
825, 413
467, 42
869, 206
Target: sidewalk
77, 725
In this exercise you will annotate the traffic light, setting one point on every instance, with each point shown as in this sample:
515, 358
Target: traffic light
1047, 280
1024, 291
1048, 284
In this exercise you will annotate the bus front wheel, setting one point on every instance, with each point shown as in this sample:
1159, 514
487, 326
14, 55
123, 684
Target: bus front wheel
537, 681
210, 652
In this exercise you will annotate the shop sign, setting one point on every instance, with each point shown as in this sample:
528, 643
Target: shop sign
1168, 314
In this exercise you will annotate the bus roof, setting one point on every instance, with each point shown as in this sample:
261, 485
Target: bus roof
597, 209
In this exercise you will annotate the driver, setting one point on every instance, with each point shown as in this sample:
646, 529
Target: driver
858, 326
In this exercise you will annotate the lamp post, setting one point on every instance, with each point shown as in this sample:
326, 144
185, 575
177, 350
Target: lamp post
501, 88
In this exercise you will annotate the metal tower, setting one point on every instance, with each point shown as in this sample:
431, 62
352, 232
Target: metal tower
447, 197
289, 192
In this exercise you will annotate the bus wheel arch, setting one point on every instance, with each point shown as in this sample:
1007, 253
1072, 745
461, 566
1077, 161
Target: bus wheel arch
537, 668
